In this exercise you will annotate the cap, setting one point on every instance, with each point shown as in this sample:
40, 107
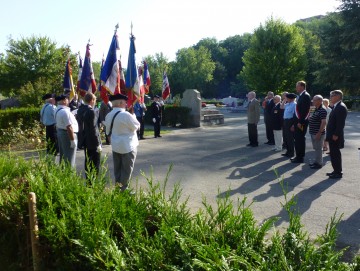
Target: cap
48, 96
61, 97
291, 96
118, 97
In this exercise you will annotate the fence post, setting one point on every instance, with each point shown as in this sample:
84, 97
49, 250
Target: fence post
34, 229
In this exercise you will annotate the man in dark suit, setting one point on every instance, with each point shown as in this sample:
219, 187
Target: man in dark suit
91, 136
269, 106
277, 119
302, 111
335, 132
253, 116
156, 109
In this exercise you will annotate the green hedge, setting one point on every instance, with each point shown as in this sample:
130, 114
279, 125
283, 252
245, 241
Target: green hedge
99, 228
13, 115
172, 116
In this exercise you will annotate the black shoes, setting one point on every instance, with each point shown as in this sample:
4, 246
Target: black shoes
297, 160
287, 155
270, 143
334, 175
252, 145
315, 166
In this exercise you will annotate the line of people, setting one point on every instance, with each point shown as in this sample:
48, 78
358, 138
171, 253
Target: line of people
288, 118
65, 133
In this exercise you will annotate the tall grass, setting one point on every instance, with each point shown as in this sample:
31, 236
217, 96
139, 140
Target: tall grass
99, 228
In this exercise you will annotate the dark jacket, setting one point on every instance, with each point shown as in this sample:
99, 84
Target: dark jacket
336, 123
269, 105
79, 118
156, 110
277, 117
91, 133
302, 108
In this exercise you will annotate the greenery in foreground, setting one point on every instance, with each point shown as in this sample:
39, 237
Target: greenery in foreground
98, 228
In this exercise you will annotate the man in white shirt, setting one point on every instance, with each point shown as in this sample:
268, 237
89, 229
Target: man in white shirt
67, 129
121, 126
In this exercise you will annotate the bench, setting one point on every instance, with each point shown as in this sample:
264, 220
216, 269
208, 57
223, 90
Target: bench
214, 118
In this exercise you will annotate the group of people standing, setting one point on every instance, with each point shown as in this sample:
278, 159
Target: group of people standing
66, 131
288, 118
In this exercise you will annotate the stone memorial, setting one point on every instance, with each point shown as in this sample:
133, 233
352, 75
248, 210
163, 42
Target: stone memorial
192, 99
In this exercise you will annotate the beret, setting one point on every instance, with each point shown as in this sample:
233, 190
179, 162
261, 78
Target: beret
118, 97
291, 96
48, 96
61, 97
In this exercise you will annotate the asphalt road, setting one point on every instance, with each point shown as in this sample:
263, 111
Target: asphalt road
214, 161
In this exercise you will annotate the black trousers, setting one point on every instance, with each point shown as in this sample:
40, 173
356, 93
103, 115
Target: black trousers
335, 156
300, 140
51, 140
140, 132
253, 134
92, 163
288, 137
157, 125
269, 130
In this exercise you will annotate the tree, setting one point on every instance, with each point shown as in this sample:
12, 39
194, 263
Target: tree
193, 68
276, 58
157, 65
30, 59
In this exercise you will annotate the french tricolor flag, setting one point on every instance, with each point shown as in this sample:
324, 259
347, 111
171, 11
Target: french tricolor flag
146, 75
110, 73
165, 87
87, 80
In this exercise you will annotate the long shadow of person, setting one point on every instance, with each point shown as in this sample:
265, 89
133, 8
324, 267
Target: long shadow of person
289, 182
349, 235
260, 174
304, 199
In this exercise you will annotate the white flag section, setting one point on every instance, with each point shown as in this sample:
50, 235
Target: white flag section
111, 83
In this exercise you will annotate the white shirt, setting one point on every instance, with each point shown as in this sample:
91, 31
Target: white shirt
123, 135
65, 118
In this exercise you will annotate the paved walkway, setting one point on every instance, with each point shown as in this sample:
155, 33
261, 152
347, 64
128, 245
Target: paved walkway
209, 161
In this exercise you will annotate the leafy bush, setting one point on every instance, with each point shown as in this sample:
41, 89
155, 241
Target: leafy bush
99, 228
10, 117
172, 116
22, 137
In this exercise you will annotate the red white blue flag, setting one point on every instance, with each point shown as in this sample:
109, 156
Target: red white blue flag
165, 87
146, 76
132, 78
110, 73
87, 80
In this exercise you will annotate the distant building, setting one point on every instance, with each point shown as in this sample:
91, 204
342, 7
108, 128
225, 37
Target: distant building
8, 103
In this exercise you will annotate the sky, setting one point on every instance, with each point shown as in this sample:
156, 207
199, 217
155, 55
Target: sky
159, 26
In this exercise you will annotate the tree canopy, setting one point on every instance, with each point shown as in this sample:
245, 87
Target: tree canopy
276, 58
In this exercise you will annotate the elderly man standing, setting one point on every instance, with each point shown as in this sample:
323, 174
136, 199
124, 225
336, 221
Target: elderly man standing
289, 119
121, 126
302, 111
47, 118
253, 115
67, 129
277, 116
317, 124
335, 132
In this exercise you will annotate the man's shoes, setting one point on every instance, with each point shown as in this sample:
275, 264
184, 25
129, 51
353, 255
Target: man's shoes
159, 136
287, 155
335, 176
267, 143
297, 160
271, 143
315, 166
142, 138
252, 145
329, 174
